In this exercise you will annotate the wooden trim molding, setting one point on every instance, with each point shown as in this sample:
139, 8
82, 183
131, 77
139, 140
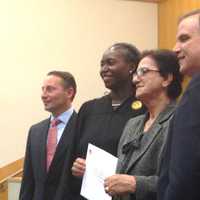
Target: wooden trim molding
150, 1
6, 173
11, 169
15, 180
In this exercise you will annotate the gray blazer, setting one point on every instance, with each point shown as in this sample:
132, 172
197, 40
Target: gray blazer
144, 151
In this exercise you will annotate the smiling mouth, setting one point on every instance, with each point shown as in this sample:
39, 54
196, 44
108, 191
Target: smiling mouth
181, 58
138, 86
46, 103
107, 77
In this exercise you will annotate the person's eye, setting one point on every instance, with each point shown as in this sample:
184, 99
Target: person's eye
102, 63
111, 62
184, 38
143, 71
50, 89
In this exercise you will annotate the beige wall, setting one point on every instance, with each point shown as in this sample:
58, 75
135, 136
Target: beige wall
41, 35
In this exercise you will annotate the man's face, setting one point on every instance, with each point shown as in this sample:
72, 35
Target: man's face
188, 45
55, 97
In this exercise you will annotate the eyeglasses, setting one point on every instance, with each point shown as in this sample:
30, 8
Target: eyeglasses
143, 70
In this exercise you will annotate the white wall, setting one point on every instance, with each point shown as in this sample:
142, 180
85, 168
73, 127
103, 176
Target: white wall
41, 35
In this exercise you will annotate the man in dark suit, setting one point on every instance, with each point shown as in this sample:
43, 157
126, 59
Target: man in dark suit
49, 141
180, 171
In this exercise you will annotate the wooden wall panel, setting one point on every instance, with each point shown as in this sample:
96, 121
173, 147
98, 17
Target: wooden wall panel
168, 14
4, 195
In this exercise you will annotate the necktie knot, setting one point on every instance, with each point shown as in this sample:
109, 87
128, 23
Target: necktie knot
55, 122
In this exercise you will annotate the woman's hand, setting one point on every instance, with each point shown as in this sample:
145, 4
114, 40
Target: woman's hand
120, 184
78, 168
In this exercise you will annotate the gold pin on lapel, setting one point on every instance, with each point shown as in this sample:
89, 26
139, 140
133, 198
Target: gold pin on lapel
136, 105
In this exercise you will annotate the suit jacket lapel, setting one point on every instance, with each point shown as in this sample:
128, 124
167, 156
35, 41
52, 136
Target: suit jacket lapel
44, 132
143, 146
153, 132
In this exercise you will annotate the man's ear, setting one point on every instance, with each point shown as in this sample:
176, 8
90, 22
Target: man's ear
167, 80
70, 92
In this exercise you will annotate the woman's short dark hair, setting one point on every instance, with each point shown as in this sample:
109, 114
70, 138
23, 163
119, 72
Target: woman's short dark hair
129, 51
167, 63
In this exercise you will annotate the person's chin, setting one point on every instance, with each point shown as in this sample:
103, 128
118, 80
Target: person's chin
108, 86
138, 95
47, 108
183, 66
185, 70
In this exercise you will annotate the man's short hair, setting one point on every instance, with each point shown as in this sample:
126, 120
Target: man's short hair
68, 79
188, 14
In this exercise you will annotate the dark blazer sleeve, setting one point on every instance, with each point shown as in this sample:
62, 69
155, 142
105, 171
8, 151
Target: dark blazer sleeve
180, 172
28, 184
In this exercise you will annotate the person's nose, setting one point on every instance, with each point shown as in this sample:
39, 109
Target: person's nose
43, 94
135, 79
104, 68
176, 48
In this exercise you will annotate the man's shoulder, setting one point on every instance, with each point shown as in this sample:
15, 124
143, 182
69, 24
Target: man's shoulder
192, 91
38, 128
195, 82
44, 122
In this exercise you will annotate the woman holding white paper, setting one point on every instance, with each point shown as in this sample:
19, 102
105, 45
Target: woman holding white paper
102, 120
158, 84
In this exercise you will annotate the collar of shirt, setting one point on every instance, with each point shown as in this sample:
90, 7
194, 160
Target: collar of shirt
64, 118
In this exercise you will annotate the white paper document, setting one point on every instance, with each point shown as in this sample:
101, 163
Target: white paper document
99, 165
